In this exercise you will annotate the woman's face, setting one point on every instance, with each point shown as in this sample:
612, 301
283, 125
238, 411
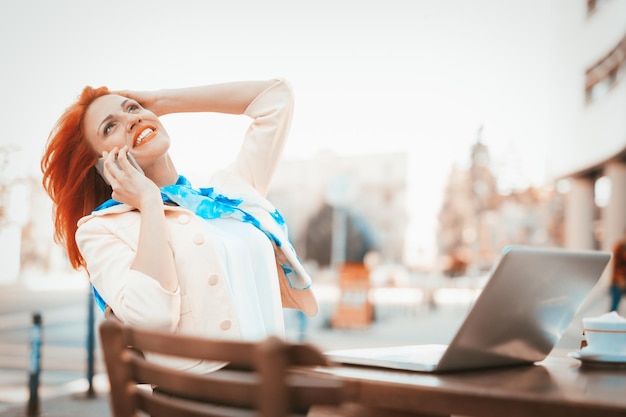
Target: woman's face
116, 121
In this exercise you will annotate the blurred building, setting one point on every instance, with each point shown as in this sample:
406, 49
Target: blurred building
476, 220
16, 212
586, 207
590, 164
368, 192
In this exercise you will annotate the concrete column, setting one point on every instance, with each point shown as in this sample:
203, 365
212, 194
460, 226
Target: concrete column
579, 206
614, 214
613, 223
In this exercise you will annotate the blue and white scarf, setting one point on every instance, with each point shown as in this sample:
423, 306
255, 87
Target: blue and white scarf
253, 209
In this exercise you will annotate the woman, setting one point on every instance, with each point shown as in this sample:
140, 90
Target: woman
617, 288
213, 262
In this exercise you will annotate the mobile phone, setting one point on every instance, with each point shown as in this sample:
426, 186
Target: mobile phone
131, 159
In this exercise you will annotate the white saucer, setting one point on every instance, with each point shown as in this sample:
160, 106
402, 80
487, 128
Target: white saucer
599, 359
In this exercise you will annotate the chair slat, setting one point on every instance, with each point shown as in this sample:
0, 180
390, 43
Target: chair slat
162, 405
226, 385
237, 353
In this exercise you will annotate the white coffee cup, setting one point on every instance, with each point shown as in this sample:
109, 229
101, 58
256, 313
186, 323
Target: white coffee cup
605, 334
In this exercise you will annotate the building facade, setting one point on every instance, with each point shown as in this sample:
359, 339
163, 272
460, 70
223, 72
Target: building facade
477, 221
592, 125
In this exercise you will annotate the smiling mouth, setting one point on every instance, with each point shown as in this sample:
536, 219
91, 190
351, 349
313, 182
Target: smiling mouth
143, 136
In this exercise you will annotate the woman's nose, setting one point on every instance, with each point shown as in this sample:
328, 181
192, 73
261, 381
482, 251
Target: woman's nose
133, 121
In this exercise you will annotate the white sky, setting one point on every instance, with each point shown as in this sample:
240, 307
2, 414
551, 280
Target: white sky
369, 76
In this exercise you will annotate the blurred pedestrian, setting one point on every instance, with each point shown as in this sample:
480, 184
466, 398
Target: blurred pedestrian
618, 276
213, 262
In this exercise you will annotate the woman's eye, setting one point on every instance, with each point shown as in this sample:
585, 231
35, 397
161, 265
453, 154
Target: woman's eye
108, 128
132, 108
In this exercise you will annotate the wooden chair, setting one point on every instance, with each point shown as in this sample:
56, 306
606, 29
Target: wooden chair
262, 378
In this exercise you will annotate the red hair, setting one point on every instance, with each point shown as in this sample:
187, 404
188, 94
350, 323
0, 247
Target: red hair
69, 175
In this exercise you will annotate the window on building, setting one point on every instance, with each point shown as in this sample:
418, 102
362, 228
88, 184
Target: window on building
606, 73
593, 5
564, 186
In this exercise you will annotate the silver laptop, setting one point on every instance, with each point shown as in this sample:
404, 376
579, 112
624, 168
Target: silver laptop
529, 300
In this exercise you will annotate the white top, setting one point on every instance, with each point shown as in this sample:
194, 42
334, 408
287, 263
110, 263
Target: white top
253, 280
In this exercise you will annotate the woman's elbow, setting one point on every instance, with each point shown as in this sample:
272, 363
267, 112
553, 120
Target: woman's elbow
157, 319
286, 91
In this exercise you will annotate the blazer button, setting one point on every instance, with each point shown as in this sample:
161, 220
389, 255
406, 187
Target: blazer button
213, 279
198, 239
183, 219
225, 325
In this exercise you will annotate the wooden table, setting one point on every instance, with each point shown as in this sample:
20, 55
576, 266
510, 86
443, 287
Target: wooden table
558, 386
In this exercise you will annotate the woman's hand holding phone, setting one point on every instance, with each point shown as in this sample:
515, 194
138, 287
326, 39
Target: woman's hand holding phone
120, 170
131, 159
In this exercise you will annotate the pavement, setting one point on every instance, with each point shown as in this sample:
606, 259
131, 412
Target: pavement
69, 405
400, 318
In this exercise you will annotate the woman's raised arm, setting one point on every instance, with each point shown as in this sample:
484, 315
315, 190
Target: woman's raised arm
231, 97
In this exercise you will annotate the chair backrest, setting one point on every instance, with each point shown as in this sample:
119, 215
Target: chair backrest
262, 378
